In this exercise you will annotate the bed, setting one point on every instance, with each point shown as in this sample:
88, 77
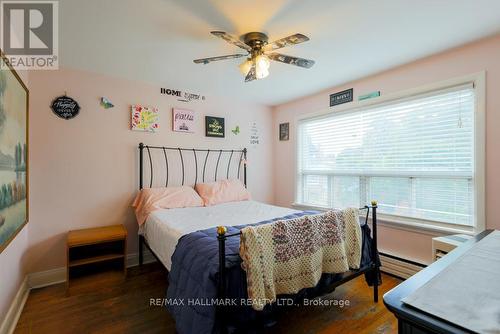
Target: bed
165, 227
199, 245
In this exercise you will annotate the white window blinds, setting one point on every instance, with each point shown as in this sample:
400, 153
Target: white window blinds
414, 156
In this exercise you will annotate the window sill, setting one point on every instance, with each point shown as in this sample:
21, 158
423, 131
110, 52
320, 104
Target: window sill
409, 224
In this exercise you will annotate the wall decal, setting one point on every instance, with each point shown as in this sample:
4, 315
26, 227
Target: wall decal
254, 135
65, 107
106, 103
182, 96
341, 97
236, 130
214, 127
13, 154
144, 118
369, 96
182, 120
284, 131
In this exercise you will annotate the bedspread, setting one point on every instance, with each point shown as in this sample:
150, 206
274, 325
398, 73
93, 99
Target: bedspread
192, 290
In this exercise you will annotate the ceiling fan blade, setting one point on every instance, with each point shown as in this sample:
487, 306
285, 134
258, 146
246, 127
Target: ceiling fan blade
252, 74
301, 62
290, 40
210, 59
231, 39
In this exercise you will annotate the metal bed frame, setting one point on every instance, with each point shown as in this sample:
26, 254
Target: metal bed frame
221, 230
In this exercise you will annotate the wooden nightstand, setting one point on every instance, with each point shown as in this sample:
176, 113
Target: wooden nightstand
96, 245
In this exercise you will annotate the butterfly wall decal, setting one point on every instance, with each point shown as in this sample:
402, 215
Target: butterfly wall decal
106, 104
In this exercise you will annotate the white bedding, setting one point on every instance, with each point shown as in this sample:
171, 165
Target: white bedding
163, 228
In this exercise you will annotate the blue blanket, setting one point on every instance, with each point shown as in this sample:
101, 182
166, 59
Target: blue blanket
193, 277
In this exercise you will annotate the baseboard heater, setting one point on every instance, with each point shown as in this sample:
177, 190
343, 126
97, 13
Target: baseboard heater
399, 267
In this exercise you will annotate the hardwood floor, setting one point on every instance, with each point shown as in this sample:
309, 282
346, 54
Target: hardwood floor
106, 303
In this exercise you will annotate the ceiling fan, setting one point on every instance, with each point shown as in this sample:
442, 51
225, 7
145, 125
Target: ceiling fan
259, 53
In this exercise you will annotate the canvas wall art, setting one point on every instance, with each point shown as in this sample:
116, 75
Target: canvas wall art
145, 118
13, 154
182, 120
214, 127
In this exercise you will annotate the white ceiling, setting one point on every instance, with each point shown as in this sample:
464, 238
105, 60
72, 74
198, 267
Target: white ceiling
156, 40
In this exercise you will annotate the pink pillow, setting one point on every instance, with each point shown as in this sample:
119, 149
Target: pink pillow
222, 191
152, 199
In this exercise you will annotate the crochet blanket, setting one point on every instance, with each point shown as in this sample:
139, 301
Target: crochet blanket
286, 256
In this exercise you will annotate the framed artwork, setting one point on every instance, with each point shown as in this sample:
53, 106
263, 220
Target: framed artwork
341, 97
144, 119
284, 131
182, 120
14, 97
214, 127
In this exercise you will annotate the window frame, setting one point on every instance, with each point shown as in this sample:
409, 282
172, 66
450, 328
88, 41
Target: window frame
409, 223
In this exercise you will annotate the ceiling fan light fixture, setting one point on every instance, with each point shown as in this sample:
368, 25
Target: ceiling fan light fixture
262, 62
245, 66
261, 73
259, 53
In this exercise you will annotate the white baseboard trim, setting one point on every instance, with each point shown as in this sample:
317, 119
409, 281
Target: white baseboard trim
46, 278
58, 275
16, 307
399, 267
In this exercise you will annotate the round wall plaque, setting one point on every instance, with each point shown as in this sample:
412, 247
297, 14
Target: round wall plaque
65, 107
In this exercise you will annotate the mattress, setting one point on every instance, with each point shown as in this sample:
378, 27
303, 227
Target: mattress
165, 227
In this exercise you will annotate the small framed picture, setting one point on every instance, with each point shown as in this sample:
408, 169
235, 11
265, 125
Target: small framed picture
284, 131
214, 127
144, 118
182, 120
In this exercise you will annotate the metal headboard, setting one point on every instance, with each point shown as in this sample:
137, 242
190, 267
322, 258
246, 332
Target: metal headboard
192, 151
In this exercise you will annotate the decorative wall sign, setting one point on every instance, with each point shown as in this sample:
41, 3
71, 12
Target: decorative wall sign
182, 120
65, 107
182, 96
369, 96
13, 154
106, 103
341, 97
144, 118
284, 131
254, 135
236, 130
214, 127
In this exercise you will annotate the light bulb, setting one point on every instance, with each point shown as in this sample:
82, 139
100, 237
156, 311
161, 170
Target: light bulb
262, 62
261, 73
245, 67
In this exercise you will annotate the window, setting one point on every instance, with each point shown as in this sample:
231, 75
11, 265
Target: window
414, 155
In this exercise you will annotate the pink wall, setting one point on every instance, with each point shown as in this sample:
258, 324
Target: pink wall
84, 171
13, 258
469, 59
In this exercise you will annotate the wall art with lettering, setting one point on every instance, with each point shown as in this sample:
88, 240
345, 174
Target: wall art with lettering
341, 97
65, 107
182, 120
254, 135
214, 127
182, 96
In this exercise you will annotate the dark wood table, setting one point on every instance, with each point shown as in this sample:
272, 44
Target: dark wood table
414, 321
